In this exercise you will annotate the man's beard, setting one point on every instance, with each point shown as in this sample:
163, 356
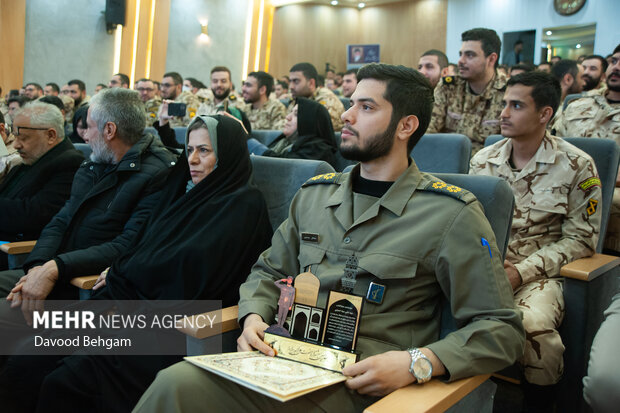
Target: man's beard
101, 153
591, 83
616, 87
221, 96
574, 88
377, 146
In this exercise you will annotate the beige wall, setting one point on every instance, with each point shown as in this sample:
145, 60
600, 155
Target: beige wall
12, 29
319, 34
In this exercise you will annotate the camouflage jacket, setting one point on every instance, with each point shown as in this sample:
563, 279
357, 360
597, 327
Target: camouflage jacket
209, 107
331, 102
204, 94
271, 116
458, 110
590, 116
558, 204
192, 105
151, 107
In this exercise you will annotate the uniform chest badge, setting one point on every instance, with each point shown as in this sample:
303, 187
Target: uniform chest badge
375, 293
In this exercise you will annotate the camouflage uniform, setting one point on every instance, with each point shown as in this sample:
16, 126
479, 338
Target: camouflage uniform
4, 108
270, 116
556, 221
331, 102
192, 106
209, 107
593, 116
151, 107
458, 110
204, 94
12, 159
69, 105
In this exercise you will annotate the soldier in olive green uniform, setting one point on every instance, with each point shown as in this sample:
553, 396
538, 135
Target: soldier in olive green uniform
417, 237
470, 103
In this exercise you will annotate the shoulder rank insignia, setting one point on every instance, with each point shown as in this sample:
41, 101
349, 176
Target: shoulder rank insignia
330, 178
446, 189
448, 79
586, 184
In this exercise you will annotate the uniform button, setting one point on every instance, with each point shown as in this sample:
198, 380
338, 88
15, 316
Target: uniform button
133, 165
172, 163
91, 168
347, 240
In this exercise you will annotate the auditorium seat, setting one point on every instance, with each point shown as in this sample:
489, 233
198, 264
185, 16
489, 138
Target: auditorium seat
85, 148
474, 393
265, 136
589, 283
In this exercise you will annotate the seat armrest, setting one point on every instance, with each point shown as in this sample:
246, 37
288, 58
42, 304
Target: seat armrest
85, 283
226, 323
431, 397
587, 269
20, 247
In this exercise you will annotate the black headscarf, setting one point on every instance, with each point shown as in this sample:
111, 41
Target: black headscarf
199, 244
79, 118
314, 138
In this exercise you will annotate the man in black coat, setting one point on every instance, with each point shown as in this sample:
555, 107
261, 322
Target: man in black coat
111, 197
33, 192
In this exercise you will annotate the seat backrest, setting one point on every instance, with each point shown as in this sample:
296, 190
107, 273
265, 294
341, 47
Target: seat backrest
279, 179
346, 102
85, 148
443, 153
265, 136
179, 134
497, 199
569, 98
606, 156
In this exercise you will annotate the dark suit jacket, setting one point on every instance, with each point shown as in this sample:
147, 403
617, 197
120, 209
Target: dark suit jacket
31, 195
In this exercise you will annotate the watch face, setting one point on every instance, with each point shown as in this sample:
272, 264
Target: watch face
568, 7
422, 368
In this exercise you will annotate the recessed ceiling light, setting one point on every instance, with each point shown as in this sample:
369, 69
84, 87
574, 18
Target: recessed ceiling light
549, 32
578, 46
361, 5
334, 2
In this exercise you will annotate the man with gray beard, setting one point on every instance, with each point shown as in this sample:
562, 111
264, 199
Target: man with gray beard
112, 195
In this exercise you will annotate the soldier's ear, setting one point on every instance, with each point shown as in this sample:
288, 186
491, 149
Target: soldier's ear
546, 114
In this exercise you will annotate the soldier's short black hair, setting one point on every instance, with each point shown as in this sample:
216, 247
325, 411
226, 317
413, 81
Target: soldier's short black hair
124, 78
54, 86
307, 69
20, 99
102, 85
442, 59
283, 84
526, 67
263, 79
563, 67
195, 83
36, 86
546, 90
617, 49
77, 82
601, 59
351, 72
53, 100
221, 69
487, 37
178, 79
1, 115
409, 92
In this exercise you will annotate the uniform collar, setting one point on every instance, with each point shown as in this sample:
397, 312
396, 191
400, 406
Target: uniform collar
497, 83
394, 200
545, 154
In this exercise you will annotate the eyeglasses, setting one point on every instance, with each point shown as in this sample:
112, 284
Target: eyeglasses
145, 89
16, 129
167, 85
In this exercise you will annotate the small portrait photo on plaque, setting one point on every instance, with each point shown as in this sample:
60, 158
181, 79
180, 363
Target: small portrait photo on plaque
343, 313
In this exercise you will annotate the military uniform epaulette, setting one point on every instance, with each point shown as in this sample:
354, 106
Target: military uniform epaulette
232, 97
330, 178
450, 190
448, 80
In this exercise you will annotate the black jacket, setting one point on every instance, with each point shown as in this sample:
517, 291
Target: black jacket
31, 195
108, 205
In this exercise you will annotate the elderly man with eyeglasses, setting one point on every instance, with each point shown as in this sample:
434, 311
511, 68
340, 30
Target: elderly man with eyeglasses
33, 192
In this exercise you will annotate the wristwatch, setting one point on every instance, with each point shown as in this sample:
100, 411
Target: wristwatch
421, 367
